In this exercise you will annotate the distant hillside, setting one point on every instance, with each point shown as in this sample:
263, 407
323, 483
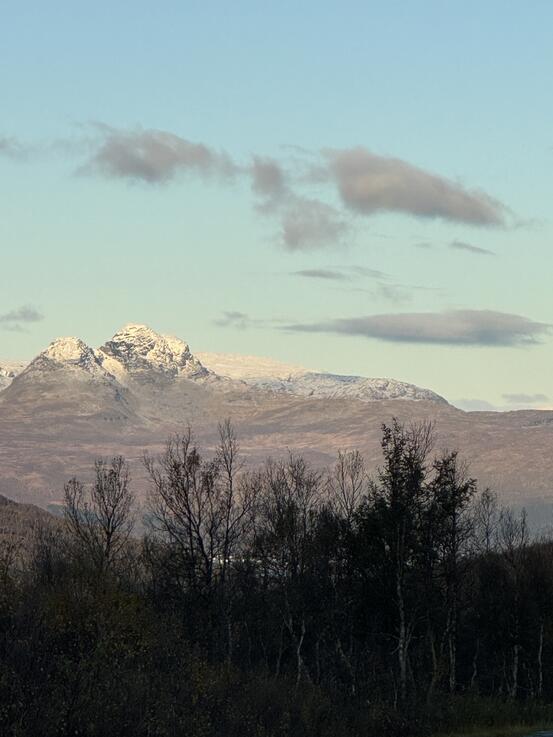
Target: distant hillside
19, 522
74, 403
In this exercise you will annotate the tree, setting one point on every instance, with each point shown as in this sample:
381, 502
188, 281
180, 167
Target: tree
397, 503
451, 492
99, 518
347, 483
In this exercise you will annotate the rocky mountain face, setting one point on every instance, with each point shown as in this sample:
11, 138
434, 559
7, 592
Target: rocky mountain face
138, 351
138, 354
73, 403
8, 372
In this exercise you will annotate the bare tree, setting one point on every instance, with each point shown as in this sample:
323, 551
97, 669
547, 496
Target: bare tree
99, 518
513, 543
486, 521
347, 482
198, 507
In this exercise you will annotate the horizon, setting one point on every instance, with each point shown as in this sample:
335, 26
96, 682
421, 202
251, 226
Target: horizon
379, 212
514, 404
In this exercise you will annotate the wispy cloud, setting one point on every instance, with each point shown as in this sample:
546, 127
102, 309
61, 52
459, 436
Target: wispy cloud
512, 403
476, 405
15, 319
244, 321
369, 183
525, 398
13, 148
311, 196
235, 319
309, 224
152, 156
453, 327
268, 180
324, 274
462, 246
381, 287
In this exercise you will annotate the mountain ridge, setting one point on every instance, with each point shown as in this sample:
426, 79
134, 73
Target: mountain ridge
136, 352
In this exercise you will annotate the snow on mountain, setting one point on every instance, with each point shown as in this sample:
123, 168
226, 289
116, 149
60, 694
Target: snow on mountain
67, 353
273, 376
139, 351
335, 386
8, 371
236, 366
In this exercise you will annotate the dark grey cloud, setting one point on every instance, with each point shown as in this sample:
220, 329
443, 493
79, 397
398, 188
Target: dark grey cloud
152, 156
369, 183
525, 398
453, 327
462, 246
15, 319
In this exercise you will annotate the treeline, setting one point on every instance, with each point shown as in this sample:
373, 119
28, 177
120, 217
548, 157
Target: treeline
279, 601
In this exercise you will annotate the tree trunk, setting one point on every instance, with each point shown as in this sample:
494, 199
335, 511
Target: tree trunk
540, 662
402, 639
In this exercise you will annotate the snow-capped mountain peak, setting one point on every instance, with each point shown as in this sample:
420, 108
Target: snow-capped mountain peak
70, 350
140, 350
68, 353
136, 353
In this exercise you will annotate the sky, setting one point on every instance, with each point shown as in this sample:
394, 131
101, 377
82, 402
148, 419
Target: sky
358, 187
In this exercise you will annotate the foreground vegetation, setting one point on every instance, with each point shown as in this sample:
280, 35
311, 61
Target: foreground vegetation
279, 602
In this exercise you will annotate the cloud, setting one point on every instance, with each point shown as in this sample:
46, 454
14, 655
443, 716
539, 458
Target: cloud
476, 405
371, 273
15, 319
152, 156
326, 274
309, 224
243, 321
268, 178
514, 402
234, 319
12, 148
369, 183
396, 293
525, 398
382, 288
288, 190
453, 327
461, 246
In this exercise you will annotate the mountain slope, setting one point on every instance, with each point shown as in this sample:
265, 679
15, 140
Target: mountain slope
74, 403
273, 376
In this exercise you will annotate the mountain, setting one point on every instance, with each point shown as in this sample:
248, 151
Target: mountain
137, 351
273, 376
73, 403
19, 524
8, 372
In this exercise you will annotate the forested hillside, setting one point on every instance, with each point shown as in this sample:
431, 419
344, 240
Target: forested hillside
277, 601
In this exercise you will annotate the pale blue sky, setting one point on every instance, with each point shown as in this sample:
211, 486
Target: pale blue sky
457, 89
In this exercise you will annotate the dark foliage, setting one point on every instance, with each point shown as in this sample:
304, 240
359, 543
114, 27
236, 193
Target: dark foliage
278, 602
